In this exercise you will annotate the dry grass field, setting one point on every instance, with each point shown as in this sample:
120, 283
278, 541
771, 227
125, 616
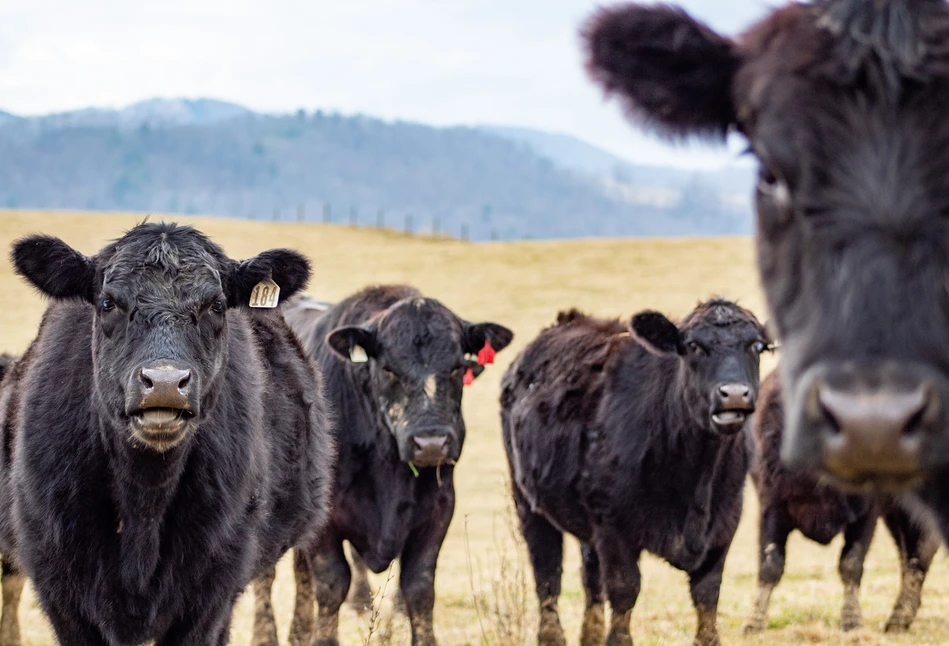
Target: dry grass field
484, 585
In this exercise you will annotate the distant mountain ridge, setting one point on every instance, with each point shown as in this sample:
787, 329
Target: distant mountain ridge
209, 156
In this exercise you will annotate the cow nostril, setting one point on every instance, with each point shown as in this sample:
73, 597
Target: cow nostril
185, 381
148, 383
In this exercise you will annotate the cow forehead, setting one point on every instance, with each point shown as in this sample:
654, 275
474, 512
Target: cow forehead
421, 330
721, 320
177, 261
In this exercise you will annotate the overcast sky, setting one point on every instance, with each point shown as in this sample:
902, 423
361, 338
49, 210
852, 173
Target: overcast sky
442, 62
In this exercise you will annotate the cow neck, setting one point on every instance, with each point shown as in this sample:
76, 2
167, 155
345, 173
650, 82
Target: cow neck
144, 485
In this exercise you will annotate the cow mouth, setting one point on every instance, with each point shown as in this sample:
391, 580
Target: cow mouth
730, 421
161, 428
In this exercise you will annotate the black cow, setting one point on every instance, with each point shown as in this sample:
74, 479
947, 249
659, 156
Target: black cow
843, 103
794, 500
12, 579
163, 443
395, 363
631, 443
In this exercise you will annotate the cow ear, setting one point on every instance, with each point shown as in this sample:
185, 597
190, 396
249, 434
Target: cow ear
357, 344
55, 268
657, 333
477, 333
673, 73
289, 269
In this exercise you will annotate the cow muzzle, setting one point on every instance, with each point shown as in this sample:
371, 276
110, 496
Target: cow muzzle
431, 447
163, 404
865, 428
732, 403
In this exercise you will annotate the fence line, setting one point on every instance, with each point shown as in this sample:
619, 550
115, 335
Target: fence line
409, 222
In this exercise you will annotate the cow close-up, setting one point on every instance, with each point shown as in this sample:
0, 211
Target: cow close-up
842, 103
163, 442
790, 500
629, 437
395, 364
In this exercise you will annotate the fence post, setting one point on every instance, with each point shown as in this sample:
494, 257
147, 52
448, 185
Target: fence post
276, 214
353, 216
494, 234
381, 219
408, 223
436, 226
464, 231
301, 212
327, 213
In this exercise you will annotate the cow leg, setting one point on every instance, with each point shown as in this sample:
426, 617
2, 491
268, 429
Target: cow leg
360, 596
211, 628
594, 619
71, 629
774, 528
12, 590
331, 576
545, 546
857, 537
705, 584
619, 569
917, 547
301, 628
265, 625
418, 561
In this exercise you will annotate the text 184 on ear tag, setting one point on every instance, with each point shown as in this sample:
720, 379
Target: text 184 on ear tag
358, 354
266, 294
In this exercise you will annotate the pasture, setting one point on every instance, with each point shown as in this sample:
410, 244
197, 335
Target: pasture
484, 584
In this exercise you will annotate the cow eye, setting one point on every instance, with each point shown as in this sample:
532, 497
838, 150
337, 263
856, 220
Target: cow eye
773, 187
759, 346
695, 348
107, 305
217, 307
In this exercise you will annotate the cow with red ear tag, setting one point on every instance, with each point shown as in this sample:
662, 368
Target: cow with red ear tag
397, 364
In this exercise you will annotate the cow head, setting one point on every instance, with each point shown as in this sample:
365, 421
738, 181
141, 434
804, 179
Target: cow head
161, 295
417, 353
843, 103
719, 345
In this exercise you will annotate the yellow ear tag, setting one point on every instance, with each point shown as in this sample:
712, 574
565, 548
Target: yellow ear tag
358, 355
266, 294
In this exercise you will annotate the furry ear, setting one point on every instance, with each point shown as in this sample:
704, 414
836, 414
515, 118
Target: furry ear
288, 268
477, 333
55, 268
673, 73
346, 342
657, 333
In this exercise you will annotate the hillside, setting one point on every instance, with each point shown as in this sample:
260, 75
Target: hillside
211, 157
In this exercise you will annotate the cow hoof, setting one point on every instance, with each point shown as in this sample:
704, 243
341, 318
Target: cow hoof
753, 626
896, 626
850, 623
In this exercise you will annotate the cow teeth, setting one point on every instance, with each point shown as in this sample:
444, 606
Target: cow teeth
160, 416
728, 417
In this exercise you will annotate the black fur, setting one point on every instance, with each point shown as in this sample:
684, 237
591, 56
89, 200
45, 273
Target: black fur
127, 541
615, 444
843, 104
671, 71
383, 509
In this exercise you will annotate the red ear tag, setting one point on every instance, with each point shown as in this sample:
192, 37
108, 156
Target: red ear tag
486, 354
469, 377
